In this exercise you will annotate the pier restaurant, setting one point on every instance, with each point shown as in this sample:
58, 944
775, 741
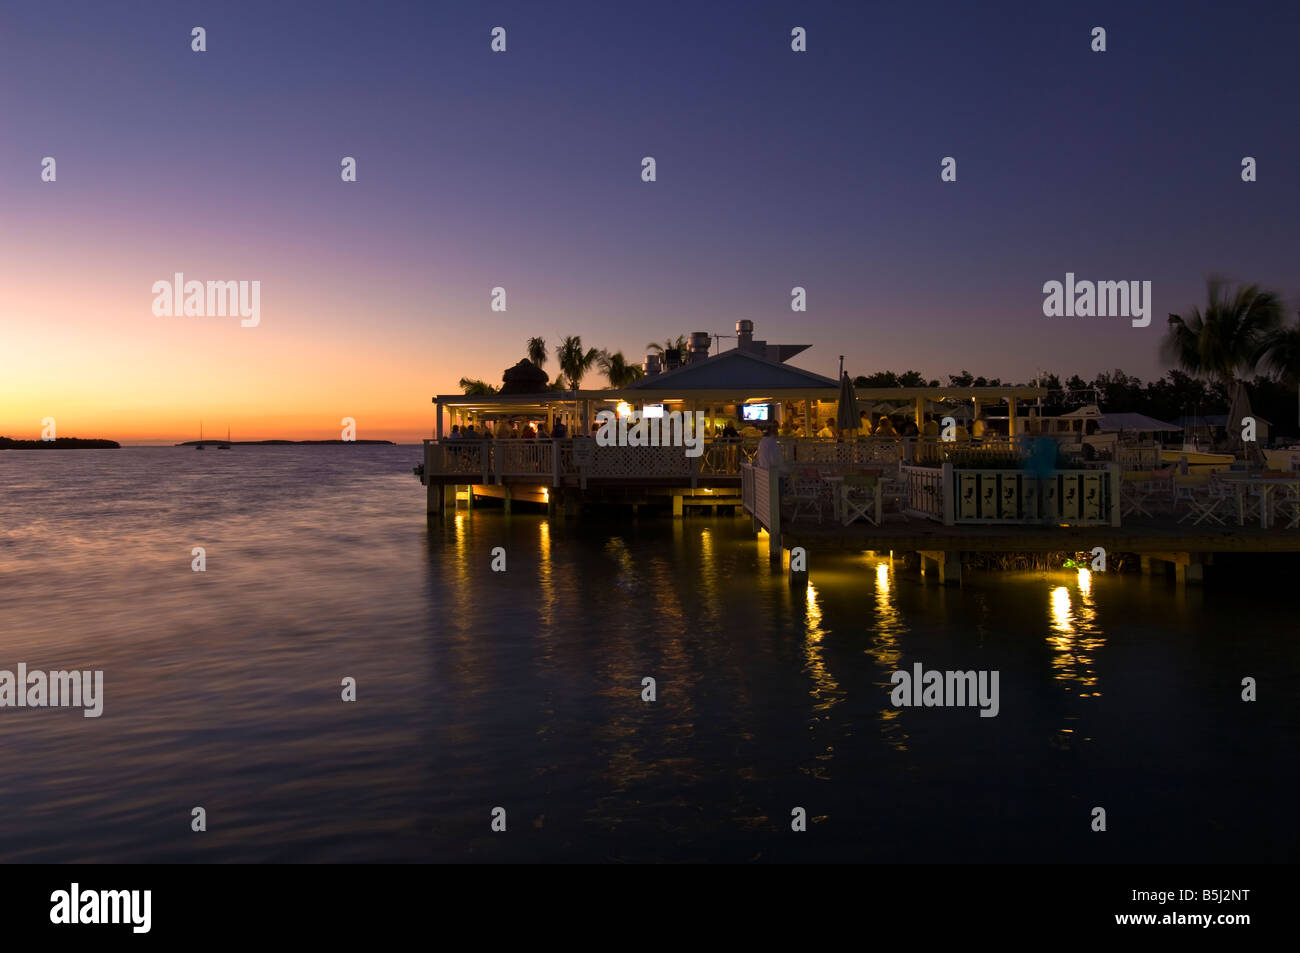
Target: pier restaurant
751, 386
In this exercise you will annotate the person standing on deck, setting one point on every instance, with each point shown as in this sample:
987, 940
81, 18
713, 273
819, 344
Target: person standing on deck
769, 451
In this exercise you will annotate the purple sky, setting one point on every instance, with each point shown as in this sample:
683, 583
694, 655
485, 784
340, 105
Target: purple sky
522, 170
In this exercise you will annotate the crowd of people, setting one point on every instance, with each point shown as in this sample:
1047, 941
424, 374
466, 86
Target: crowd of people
527, 430
884, 427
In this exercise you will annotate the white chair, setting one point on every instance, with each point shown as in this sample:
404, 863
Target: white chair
893, 495
1205, 501
859, 499
1134, 495
1285, 505
1254, 502
808, 493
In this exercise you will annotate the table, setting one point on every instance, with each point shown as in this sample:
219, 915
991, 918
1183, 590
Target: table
1241, 481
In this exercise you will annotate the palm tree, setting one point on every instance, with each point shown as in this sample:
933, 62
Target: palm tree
474, 387
669, 344
617, 369
574, 361
1282, 356
1229, 338
537, 351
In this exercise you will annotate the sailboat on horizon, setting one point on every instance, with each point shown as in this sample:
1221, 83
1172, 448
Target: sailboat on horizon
200, 446
226, 445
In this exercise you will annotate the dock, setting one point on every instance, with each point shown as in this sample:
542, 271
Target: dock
942, 512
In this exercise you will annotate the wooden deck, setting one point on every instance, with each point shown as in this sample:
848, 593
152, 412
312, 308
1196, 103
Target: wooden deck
1136, 536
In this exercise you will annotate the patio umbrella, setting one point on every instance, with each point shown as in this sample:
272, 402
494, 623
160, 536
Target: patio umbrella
1240, 408
846, 417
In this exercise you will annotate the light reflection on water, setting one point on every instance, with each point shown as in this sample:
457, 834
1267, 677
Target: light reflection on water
524, 687
885, 649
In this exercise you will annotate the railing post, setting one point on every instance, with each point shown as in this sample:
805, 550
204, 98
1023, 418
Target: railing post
949, 495
485, 458
773, 475
555, 463
1115, 478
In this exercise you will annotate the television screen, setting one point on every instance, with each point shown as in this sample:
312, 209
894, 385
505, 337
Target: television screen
754, 411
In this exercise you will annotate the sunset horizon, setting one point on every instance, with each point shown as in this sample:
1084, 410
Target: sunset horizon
377, 293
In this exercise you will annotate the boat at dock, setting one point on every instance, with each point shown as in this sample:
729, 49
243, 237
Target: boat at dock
1197, 458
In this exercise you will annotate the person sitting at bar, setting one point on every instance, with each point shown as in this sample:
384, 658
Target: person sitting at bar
828, 431
729, 432
455, 432
542, 432
885, 427
931, 428
909, 429
560, 432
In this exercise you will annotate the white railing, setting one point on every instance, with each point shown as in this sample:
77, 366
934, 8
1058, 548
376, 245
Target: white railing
955, 496
925, 491
760, 495
556, 459
1076, 497
522, 457
887, 450
465, 458
636, 462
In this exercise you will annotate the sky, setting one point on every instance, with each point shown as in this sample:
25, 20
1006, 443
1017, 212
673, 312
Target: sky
522, 170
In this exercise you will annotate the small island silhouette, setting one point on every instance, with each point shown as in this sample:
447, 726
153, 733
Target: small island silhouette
59, 443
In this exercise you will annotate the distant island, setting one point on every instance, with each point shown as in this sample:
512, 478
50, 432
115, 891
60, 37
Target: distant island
59, 443
265, 443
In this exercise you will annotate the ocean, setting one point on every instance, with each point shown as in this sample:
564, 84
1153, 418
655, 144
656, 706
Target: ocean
522, 689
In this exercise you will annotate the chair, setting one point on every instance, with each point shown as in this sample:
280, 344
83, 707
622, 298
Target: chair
859, 497
1161, 489
893, 494
808, 492
1205, 500
1286, 505
1253, 504
1134, 494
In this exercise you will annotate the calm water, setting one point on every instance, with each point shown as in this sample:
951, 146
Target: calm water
522, 689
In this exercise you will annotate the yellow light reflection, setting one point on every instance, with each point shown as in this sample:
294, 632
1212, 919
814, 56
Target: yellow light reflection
885, 649
825, 690
545, 577
1075, 639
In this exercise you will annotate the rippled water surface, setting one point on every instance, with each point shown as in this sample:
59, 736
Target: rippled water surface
522, 688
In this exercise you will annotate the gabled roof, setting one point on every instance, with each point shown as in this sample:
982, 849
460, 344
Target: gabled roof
1138, 422
735, 370
1214, 420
